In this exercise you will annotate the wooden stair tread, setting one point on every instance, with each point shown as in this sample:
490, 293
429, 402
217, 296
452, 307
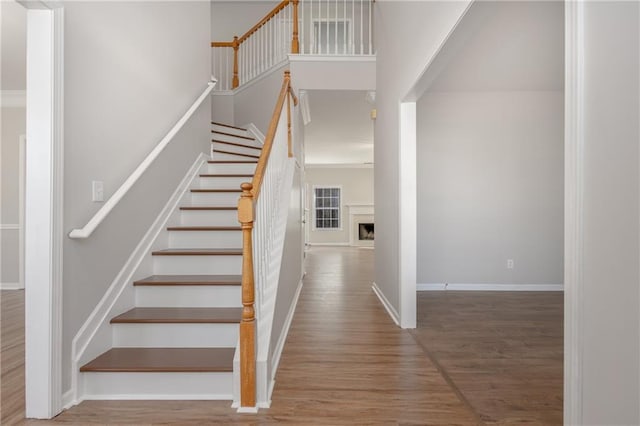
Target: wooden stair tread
227, 125
219, 151
207, 208
198, 252
215, 175
216, 190
232, 161
235, 136
204, 228
163, 360
179, 316
237, 144
162, 280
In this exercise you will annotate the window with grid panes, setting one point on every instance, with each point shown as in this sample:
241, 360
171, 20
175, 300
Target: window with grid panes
327, 207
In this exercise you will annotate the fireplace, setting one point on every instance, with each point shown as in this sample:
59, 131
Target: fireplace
365, 231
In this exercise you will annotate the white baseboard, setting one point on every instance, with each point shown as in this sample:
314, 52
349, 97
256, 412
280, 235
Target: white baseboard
388, 306
329, 244
255, 132
488, 287
9, 227
94, 337
277, 352
11, 286
159, 397
68, 400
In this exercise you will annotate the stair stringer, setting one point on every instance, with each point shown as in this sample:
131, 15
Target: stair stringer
95, 336
264, 373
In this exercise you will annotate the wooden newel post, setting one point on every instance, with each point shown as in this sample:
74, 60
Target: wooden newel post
235, 82
248, 321
295, 43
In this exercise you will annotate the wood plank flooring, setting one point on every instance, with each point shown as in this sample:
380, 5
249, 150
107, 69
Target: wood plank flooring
345, 362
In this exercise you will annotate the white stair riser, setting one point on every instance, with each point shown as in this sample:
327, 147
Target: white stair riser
215, 199
235, 149
197, 265
209, 218
223, 156
220, 168
189, 296
213, 386
175, 335
222, 182
205, 239
231, 130
234, 139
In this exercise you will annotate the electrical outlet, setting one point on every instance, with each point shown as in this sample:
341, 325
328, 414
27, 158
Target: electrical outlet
97, 191
509, 263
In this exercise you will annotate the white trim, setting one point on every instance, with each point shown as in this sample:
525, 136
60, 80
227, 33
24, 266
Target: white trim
247, 410
277, 352
329, 244
487, 287
43, 207
101, 214
11, 286
573, 208
222, 93
13, 98
251, 128
338, 166
387, 305
305, 109
22, 156
89, 342
9, 227
407, 215
255, 80
68, 399
160, 397
331, 58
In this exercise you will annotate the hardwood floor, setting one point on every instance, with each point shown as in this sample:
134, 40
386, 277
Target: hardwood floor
345, 361
503, 351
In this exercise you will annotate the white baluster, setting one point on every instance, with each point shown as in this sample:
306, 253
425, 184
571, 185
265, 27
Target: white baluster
361, 30
370, 27
352, 30
326, 23
335, 22
344, 27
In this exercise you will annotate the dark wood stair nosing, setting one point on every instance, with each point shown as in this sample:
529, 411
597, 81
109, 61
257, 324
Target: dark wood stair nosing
232, 135
204, 228
198, 252
232, 161
162, 360
226, 315
196, 208
190, 280
225, 175
229, 126
236, 153
215, 190
240, 145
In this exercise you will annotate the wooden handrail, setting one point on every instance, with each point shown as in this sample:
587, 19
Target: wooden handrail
267, 18
237, 41
271, 134
246, 217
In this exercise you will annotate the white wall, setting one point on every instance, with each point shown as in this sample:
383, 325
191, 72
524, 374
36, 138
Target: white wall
13, 50
234, 18
357, 188
255, 102
610, 301
129, 76
398, 66
490, 187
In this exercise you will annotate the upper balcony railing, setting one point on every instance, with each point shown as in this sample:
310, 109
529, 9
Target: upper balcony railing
307, 27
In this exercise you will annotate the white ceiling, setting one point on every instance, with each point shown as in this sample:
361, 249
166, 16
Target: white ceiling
516, 46
341, 129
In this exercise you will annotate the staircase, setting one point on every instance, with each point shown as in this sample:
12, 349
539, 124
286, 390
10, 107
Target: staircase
180, 339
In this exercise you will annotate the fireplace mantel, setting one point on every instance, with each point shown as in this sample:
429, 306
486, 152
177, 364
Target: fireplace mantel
362, 210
